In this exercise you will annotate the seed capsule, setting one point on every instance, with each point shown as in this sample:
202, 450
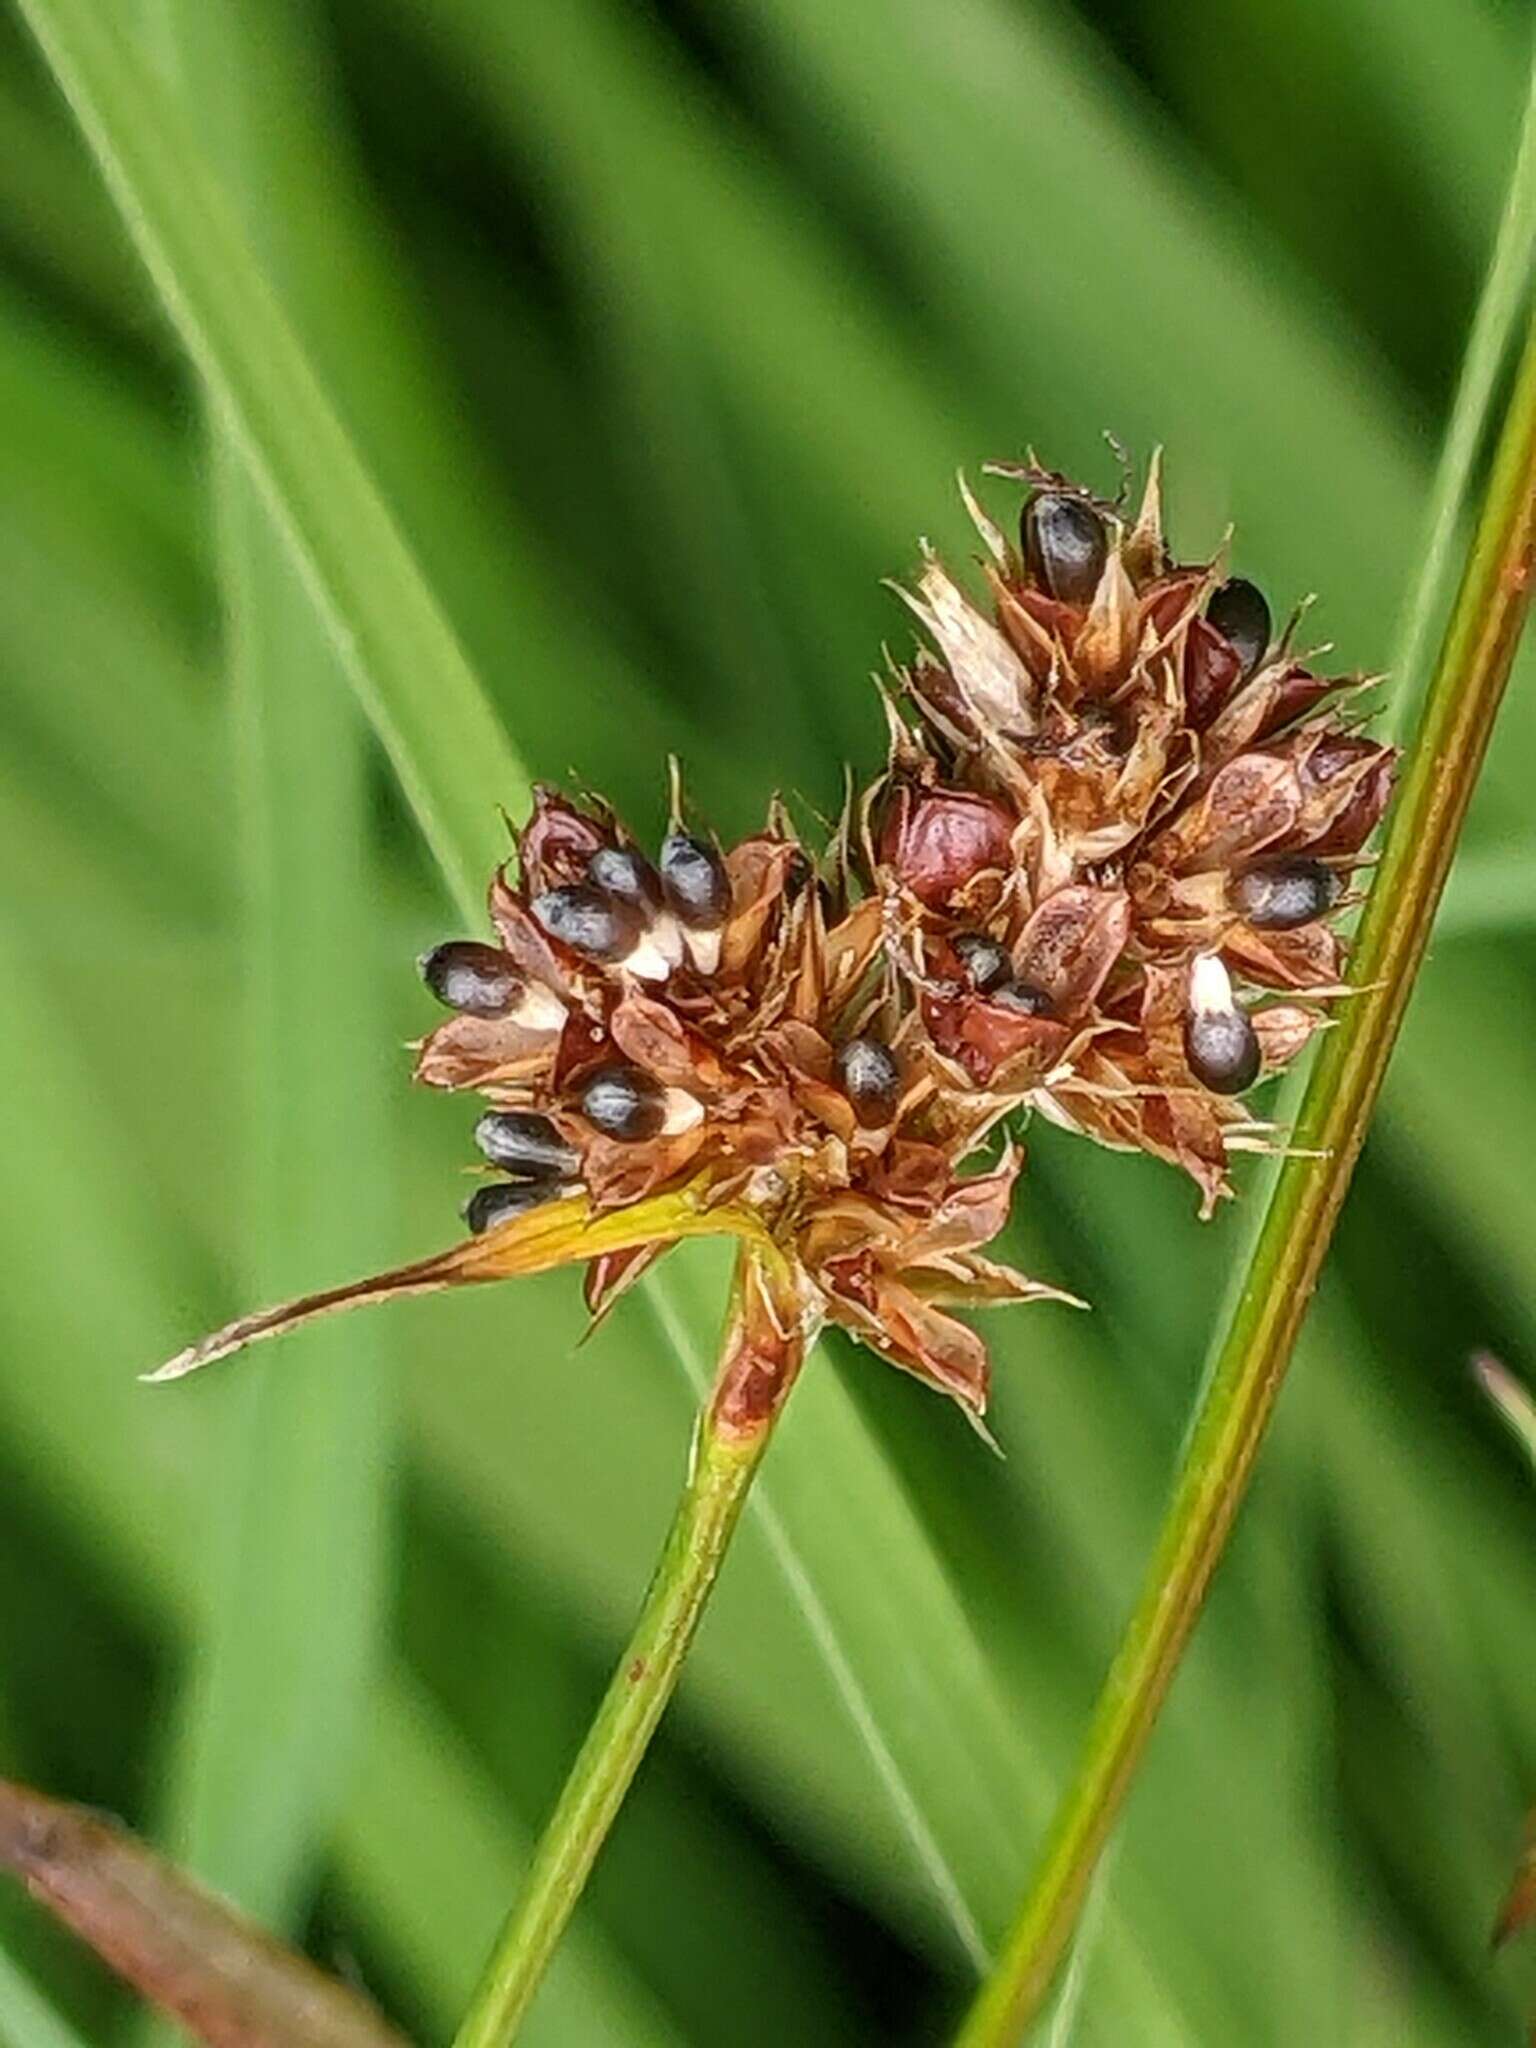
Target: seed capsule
624, 873
1220, 1043
1239, 611
985, 960
466, 975
1024, 997
1283, 894
1065, 545
589, 921
625, 1103
870, 1078
528, 1145
499, 1200
696, 884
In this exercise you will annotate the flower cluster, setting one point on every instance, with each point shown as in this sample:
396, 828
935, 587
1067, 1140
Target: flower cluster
1120, 829
1097, 877
735, 1020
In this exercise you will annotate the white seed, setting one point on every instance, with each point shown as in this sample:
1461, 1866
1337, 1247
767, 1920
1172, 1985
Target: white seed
646, 961
1210, 985
1220, 1043
539, 1009
680, 1112
704, 948
666, 935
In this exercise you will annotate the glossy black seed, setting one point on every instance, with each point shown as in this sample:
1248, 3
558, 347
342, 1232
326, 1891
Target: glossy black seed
986, 961
870, 1078
498, 1200
1283, 894
1222, 1048
588, 920
627, 875
1024, 997
624, 1103
1239, 611
694, 879
469, 976
1065, 545
519, 1142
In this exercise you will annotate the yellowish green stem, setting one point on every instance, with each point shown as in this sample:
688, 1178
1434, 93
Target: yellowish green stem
1442, 770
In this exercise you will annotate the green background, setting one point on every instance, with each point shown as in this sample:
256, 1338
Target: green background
662, 330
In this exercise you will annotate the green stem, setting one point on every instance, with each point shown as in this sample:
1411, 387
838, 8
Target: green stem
727, 1451
1240, 1392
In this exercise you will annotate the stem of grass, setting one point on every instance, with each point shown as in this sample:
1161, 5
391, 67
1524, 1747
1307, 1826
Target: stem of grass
757, 1368
1443, 764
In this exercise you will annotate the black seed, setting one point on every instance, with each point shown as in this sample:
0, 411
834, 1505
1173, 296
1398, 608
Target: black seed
588, 921
1239, 611
1024, 997
986, 962
498, 1200
519, 1142
469, 976
1065, 545
1283, 894
624, 1103
627, 875
1222, 1048
870, 1078
694, 878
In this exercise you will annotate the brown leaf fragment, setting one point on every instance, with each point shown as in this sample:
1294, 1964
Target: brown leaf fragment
224, 1979
1519, 1908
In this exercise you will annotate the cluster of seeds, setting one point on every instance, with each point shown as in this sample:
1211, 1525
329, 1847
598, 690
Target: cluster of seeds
629, 916
1117, 830
1095, 879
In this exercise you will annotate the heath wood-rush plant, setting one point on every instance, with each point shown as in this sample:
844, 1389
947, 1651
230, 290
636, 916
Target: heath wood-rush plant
563, 408
1098, 878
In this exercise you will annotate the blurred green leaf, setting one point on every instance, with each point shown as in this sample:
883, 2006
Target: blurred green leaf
660, 332
26, 2017
446, 746
298, 1502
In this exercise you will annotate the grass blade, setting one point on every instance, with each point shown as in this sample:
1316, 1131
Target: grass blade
1487, 353
296, 1506
26, 2018
1245, 1378
447, 748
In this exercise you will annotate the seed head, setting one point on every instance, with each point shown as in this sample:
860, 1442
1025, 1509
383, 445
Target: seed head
1133, 786
1097, 878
